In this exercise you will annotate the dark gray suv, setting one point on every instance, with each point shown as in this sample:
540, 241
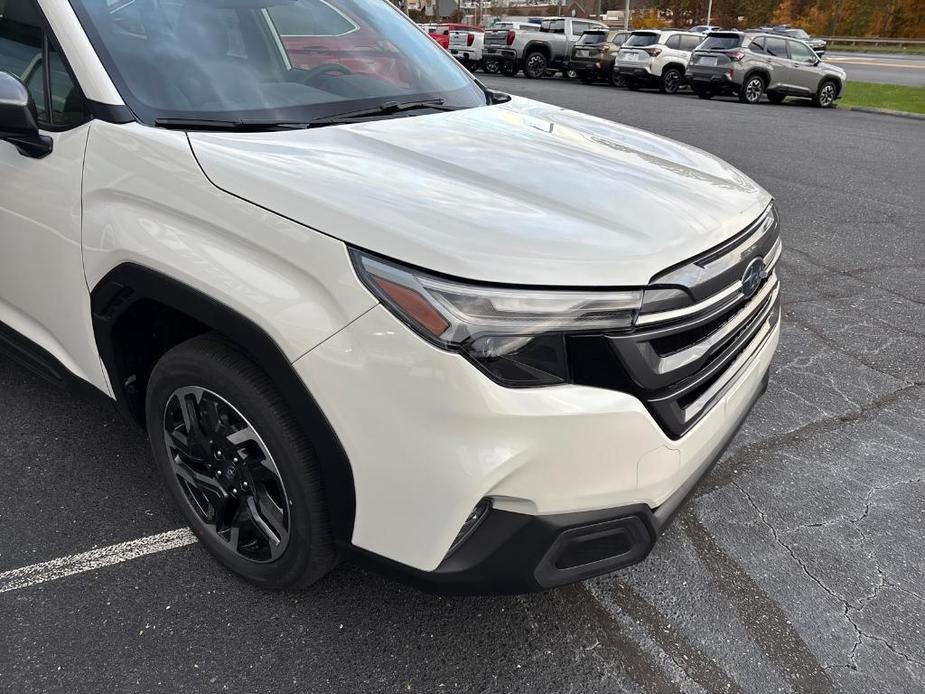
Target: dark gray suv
752, 65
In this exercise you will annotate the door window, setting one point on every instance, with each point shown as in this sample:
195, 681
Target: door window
27, 53
674, 42
801, 53
578, 28
776, 47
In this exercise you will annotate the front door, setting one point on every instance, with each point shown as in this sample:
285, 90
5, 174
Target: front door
43, 292
803, 63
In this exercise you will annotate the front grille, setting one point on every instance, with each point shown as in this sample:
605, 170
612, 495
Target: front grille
704, 327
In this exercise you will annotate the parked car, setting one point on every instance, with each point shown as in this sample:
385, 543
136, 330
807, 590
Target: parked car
466, 46
268, 259
536, 52
655, 58
593, 54
441, 32
497, 55
704, 28
751, 65
818, 45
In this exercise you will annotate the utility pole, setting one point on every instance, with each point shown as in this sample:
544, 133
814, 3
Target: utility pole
626, 16
709, 11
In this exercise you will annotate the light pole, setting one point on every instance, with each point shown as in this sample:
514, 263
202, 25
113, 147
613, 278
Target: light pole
626, 16
709, 11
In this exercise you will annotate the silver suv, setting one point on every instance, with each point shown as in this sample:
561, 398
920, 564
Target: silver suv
751, 65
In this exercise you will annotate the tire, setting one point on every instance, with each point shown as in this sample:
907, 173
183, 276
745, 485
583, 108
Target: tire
670, 81
616, 79
776, 98
208, 402
535, 65
825, 94
491, 65
752, 89
508, 68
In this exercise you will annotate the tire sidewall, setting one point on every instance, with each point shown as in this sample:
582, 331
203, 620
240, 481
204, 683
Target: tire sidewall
532, 72
751, 79
178, 370
665, 81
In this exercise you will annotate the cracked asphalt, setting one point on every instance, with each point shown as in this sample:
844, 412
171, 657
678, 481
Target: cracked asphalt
799, 566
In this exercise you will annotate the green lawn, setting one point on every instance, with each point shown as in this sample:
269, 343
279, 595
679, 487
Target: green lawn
888, 96
907, 50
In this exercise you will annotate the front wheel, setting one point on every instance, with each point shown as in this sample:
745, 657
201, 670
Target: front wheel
670, 81
491, 65
240, 468
616, 79
825, 95
752, 90
535, 65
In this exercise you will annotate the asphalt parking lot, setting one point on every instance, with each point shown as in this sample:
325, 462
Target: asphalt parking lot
799, 565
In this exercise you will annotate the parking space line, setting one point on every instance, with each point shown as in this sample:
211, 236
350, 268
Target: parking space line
94, 559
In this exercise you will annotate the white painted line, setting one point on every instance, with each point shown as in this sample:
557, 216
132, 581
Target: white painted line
94, 559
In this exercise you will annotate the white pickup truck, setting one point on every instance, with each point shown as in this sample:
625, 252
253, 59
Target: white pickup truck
466, 46
536, 50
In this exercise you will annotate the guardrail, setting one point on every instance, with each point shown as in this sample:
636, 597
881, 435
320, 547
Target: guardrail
872, 41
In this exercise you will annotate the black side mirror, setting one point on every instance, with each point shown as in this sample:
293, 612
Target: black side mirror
19, 119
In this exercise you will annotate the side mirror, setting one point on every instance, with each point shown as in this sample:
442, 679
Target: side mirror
19, 119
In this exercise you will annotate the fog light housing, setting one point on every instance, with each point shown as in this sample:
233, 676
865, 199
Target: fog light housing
473, 521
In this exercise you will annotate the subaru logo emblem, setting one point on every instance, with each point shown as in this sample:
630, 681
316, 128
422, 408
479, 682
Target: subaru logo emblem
752, 277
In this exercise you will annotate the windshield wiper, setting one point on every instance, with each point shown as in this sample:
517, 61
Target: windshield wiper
382, 109
224, 125
245, 125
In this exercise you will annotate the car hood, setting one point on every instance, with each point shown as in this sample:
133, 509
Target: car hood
519, 193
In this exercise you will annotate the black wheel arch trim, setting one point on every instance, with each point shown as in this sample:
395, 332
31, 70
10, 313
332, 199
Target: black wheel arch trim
127, 284
537, 46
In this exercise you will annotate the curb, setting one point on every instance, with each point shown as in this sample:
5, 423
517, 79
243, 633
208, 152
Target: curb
882, 112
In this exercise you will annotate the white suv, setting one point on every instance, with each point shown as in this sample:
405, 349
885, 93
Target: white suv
656, 58
276, 235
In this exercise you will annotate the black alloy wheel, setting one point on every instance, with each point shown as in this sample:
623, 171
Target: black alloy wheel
226, 473
242, 469
491, 65
671, 81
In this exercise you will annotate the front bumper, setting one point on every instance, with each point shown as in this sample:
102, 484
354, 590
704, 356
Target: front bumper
428, 436
512, 553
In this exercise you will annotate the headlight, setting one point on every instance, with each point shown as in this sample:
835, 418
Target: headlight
516, 335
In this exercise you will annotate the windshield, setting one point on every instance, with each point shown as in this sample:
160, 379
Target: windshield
641, 40
593, 37
268, 60
721, 42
